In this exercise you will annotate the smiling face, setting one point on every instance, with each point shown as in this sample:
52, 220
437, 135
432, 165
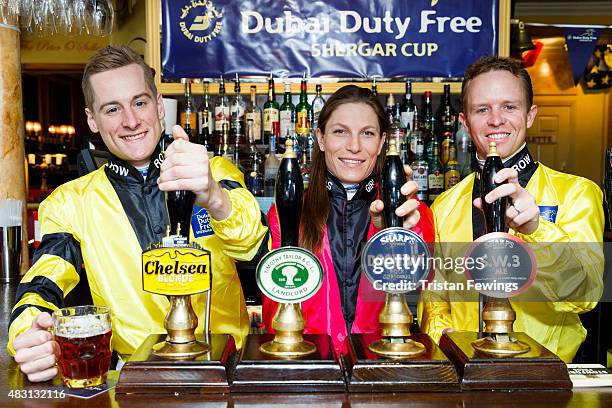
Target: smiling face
126, 113
497, 111
351, 142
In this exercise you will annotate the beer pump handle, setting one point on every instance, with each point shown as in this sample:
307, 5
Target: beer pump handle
494, 213
392, 180
288, 195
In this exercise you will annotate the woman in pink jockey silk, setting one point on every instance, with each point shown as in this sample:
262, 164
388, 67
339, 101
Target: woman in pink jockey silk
342, 211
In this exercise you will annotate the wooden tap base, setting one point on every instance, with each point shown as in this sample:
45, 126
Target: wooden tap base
537, 369
370, 372
206, 374
259, 372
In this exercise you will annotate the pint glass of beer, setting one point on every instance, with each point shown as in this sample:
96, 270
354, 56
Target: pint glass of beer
83, 334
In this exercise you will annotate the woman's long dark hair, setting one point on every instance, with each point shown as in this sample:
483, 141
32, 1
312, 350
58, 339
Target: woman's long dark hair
316, 204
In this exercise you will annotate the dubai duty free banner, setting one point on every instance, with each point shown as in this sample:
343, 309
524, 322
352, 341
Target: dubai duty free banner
336, 38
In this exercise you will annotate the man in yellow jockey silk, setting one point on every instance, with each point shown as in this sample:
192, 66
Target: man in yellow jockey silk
559, 215
104, 220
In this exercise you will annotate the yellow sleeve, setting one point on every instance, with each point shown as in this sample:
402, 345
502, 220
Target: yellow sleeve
569, 253
434, 313
243, 231
53, 274
434, 307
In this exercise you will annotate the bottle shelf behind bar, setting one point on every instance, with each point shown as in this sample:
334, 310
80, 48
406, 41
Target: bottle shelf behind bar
251, 123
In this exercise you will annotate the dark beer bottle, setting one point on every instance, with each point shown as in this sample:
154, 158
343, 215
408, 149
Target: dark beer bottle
393, 178
494, 213
180, 207
288, 196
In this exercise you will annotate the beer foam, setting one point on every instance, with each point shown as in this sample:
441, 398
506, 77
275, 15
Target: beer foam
82, 326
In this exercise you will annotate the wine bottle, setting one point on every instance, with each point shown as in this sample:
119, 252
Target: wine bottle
270, 111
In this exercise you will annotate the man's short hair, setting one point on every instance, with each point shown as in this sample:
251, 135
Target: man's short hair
113, 57
494, 63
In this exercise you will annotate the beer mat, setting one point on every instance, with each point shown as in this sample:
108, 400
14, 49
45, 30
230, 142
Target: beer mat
589, 375
90, 392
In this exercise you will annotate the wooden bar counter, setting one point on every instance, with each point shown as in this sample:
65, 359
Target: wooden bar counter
12, 379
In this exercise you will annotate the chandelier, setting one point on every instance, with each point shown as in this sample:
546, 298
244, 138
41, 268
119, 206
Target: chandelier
59, 17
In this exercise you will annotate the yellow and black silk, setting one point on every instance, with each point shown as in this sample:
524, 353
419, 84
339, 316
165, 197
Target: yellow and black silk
98, 225
568, 249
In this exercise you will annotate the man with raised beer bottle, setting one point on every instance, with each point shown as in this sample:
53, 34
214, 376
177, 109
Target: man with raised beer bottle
105, 219
558, 215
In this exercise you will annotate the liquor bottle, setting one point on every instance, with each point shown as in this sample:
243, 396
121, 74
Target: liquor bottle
396, 132
463, 151
390, 105
254, 180
452, 175
393, 178
420, 168
188, 113
205, 120
204, 137
446, 112
494, 213
448, 139
222, 112
408, 109
374, 87
412, 142
270, 111
303, 110
427, 120
226, 149
288, 195
253, 113
317, 104
435, 183
253, 152
308, 144
305, 167
241, 154
237, 110
271, 166
405, 152
287, 116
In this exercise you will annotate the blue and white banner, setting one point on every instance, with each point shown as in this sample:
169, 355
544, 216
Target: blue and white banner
336, 38
581, 42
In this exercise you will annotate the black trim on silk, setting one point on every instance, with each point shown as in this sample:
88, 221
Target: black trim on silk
21, 308
524, 163
44, 287
230, 184
62, 245
143, 202
347, 230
